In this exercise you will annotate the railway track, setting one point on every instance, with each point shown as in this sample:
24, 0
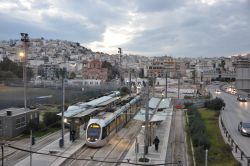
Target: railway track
114, 151
19, 155
177, 147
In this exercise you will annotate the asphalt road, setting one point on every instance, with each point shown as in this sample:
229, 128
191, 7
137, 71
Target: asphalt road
233, 113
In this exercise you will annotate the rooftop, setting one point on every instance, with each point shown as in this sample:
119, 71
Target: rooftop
15, 111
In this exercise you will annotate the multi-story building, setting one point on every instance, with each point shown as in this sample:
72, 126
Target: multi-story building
94, 70
48, 71
242, 67
162, 65
13, 121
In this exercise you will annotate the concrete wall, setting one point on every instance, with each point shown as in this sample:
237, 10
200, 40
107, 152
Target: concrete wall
242, 78
9, 124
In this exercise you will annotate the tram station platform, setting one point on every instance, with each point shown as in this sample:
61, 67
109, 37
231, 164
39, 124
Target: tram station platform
53, 149
155, 157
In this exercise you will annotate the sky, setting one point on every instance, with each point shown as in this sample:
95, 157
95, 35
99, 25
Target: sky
179, 28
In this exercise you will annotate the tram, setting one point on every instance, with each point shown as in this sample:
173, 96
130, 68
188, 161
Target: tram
105, 124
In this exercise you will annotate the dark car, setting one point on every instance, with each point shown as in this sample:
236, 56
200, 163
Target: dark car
244, 128
242, 98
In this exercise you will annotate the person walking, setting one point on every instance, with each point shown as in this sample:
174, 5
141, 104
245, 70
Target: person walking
156, 142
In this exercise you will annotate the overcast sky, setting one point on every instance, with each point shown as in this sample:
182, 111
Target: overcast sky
180, 28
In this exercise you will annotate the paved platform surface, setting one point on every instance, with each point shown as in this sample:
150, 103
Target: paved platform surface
162, 131
47, 160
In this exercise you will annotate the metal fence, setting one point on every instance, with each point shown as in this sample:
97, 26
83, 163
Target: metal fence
199, 103
233, 144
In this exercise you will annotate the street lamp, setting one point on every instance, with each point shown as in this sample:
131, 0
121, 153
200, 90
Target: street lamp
23, 56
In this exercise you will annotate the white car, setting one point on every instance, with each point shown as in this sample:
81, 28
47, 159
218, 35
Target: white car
217, 91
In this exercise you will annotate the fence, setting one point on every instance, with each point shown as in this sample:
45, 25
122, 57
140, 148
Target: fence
233, 144
198, 103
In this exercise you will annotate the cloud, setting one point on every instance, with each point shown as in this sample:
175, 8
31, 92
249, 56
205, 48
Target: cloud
150, 27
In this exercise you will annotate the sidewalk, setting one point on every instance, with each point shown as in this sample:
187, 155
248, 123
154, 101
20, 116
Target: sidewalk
46, 160
162, 131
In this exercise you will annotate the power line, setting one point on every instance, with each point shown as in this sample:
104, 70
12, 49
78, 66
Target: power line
91, 158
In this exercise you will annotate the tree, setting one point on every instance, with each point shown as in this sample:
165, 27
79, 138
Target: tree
72, 75
141, 73
124, 91
193, 75
51, 119
12, 69
215, 104
112, 71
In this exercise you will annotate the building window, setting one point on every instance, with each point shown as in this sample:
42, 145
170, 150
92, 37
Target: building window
20, 122
35, 114
31, 116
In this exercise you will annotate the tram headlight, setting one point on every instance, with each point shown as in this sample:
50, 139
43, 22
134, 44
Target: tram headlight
88, 139
95, 139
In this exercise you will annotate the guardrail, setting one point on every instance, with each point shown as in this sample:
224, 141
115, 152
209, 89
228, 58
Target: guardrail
233, 144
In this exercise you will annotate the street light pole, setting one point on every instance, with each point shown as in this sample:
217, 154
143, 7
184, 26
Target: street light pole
120, 64
25, 40
62, 72
166, 92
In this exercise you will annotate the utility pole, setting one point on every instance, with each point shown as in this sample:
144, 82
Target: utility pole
206, 157
62, 72
154, 85
129, 81
120, 64
25, 41
166, 91
2, 147
179, 87
146, 122
30, 147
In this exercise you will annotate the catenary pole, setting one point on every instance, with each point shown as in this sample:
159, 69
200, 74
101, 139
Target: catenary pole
146, 122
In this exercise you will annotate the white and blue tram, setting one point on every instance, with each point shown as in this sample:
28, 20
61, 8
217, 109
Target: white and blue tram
102, 127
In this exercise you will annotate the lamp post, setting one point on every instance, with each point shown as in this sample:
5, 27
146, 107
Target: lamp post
23, 56
120, 65
62, 73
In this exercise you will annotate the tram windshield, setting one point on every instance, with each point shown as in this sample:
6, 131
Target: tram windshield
94, 130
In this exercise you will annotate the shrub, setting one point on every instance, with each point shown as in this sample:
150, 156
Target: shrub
215, 104
197, 130
188, 104
124, 91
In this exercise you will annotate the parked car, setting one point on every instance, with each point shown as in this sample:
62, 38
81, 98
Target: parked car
244, 128
242, 98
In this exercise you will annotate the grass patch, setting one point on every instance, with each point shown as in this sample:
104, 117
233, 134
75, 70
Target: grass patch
219, 153
41, 133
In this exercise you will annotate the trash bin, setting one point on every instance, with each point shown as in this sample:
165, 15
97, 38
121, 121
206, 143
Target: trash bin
61, 143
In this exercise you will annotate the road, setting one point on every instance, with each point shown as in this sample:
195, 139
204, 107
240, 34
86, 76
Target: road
233, 113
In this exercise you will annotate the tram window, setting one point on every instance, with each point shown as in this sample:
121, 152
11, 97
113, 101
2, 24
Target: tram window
94, 130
